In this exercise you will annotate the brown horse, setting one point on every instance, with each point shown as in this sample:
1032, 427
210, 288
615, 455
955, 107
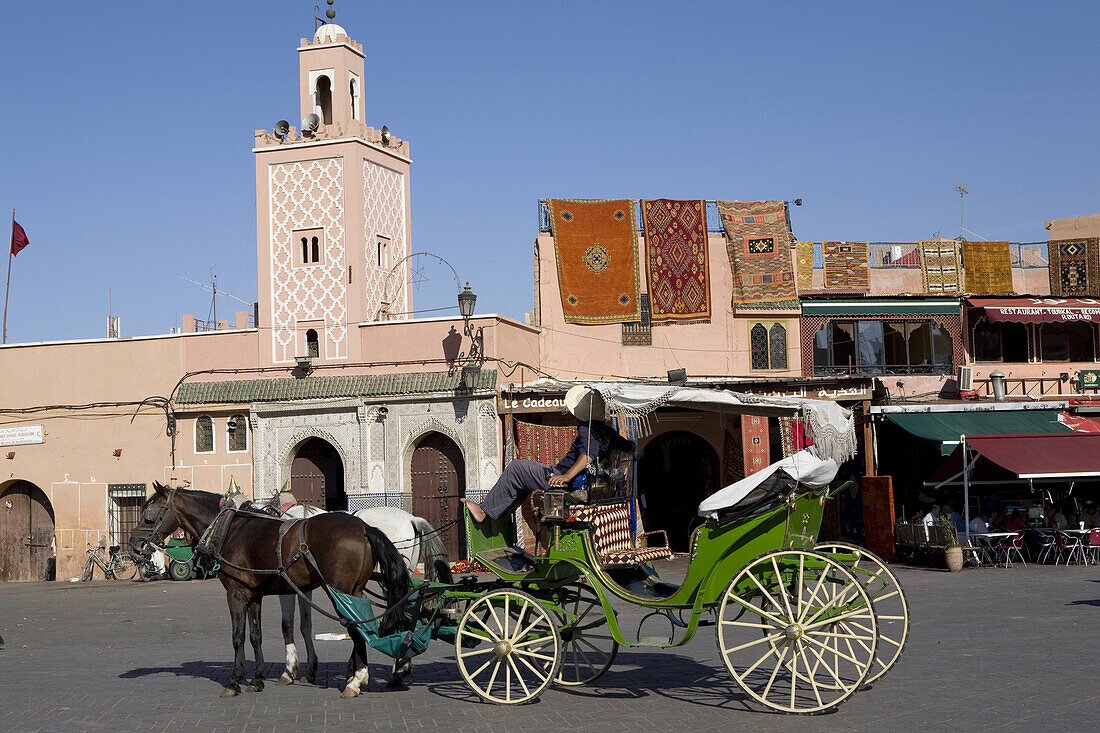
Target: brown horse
346, 551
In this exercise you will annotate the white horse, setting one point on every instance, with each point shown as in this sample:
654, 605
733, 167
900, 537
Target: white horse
416, 541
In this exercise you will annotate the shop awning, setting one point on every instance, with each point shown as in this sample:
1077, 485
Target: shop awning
946, 427
1047, 455
1038, 310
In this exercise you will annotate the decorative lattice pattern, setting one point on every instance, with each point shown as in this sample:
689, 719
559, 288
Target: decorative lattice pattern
304, 195
384, 215
810, 325
777, 344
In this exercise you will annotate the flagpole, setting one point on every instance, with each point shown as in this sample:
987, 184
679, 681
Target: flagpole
8, 286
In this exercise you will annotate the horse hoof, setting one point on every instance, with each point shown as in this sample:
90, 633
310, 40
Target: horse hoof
285, 679
308, 679
349, 693
230, 692
396, 683
254, 687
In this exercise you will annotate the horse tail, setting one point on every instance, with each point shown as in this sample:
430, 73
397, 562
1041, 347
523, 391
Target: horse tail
395, 579
433, 553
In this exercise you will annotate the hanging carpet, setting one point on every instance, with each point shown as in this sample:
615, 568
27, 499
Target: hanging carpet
804, 265
754, 440
543, 443
758, 242
940, 266
847, 265
1074, 266
988, 267
596, 246
676, 260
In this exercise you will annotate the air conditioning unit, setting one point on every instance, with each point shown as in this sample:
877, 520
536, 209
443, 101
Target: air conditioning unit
966, 378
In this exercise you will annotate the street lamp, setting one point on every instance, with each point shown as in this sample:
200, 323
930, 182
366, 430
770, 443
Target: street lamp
466, 301
471, 361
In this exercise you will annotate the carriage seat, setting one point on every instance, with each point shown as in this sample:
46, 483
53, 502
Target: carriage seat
611, 535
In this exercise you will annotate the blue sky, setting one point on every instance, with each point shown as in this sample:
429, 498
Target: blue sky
127, 148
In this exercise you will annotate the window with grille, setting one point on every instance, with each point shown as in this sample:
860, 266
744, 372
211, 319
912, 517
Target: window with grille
237, 429
768, 346
882, 347
123, 511
204, 434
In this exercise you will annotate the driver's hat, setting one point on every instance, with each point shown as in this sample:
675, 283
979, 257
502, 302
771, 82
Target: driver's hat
585, 403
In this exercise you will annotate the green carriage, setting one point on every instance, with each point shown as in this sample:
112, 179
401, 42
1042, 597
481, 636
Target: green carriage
801, 626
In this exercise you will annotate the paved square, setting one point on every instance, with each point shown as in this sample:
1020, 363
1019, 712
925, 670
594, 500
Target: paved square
990, 648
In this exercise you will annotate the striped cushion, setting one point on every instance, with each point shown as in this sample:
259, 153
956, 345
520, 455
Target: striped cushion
611, 534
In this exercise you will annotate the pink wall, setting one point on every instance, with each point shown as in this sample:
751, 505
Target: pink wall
1074, 227
718, 348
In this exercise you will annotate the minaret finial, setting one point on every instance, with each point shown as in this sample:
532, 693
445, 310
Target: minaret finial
330, 13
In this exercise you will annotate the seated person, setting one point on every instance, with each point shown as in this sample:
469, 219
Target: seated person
954, 517
1059, 521
932, 516
978, 525
521, 478
1016, 522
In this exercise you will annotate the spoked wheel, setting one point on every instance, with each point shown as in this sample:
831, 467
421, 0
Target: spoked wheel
807, 639
887, 596
507, 646
588, 649
124, 568
86, 575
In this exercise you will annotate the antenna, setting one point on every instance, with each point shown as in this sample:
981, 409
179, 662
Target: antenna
212, 288
962, 192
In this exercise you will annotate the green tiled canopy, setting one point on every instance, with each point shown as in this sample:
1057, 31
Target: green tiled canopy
314, 388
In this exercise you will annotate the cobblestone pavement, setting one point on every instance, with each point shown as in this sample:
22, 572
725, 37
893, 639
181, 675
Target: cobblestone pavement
989, 648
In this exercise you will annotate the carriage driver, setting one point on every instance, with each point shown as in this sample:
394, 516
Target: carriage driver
594, 441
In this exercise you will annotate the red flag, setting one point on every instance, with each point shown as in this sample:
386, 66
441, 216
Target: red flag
18, 238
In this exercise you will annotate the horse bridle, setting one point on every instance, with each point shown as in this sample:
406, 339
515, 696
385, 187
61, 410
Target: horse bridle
156, 513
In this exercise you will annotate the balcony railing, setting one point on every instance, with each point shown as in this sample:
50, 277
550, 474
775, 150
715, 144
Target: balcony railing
1024, 386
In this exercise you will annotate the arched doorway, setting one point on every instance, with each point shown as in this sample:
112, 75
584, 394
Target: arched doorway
438, 483
26, 532
677, 470
317, 476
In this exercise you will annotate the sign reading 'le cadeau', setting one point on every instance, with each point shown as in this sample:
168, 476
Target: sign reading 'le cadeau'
21, 435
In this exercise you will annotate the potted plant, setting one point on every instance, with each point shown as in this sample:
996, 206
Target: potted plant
952, 552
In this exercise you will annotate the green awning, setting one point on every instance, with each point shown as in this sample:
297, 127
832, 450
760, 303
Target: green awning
946, 427
871, 307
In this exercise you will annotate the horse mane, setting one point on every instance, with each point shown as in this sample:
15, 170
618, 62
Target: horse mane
436, 567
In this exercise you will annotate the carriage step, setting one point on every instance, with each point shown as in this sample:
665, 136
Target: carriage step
652, 641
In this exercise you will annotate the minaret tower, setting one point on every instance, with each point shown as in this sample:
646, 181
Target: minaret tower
332, 213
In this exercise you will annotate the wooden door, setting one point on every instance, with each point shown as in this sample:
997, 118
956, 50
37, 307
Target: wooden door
438, 483
307, 480
26, 532
317, 476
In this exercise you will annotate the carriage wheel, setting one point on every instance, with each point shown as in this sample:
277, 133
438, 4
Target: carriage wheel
888, 598
507, 646
807, 639
588, 649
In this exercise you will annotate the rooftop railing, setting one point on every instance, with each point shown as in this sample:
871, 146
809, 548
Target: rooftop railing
900, 255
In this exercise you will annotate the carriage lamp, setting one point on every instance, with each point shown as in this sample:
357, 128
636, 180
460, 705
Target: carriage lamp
117, 452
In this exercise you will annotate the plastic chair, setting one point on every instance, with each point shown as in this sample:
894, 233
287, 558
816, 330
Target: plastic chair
1048, 548
1069, 547
1094, 545
1013, 544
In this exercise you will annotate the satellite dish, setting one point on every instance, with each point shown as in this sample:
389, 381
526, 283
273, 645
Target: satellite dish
282, 128
311, 122
385, 135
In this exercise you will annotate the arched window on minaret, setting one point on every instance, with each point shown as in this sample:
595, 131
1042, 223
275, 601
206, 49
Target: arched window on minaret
316, 249
313, 348
324, 98
305, 250
353, 89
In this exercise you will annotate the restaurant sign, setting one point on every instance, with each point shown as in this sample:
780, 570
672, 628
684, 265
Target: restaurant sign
21, 435
1089, 378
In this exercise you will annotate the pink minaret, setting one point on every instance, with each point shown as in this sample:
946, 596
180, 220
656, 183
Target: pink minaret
332, 214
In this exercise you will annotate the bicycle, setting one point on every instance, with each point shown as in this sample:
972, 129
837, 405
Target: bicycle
119, 566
